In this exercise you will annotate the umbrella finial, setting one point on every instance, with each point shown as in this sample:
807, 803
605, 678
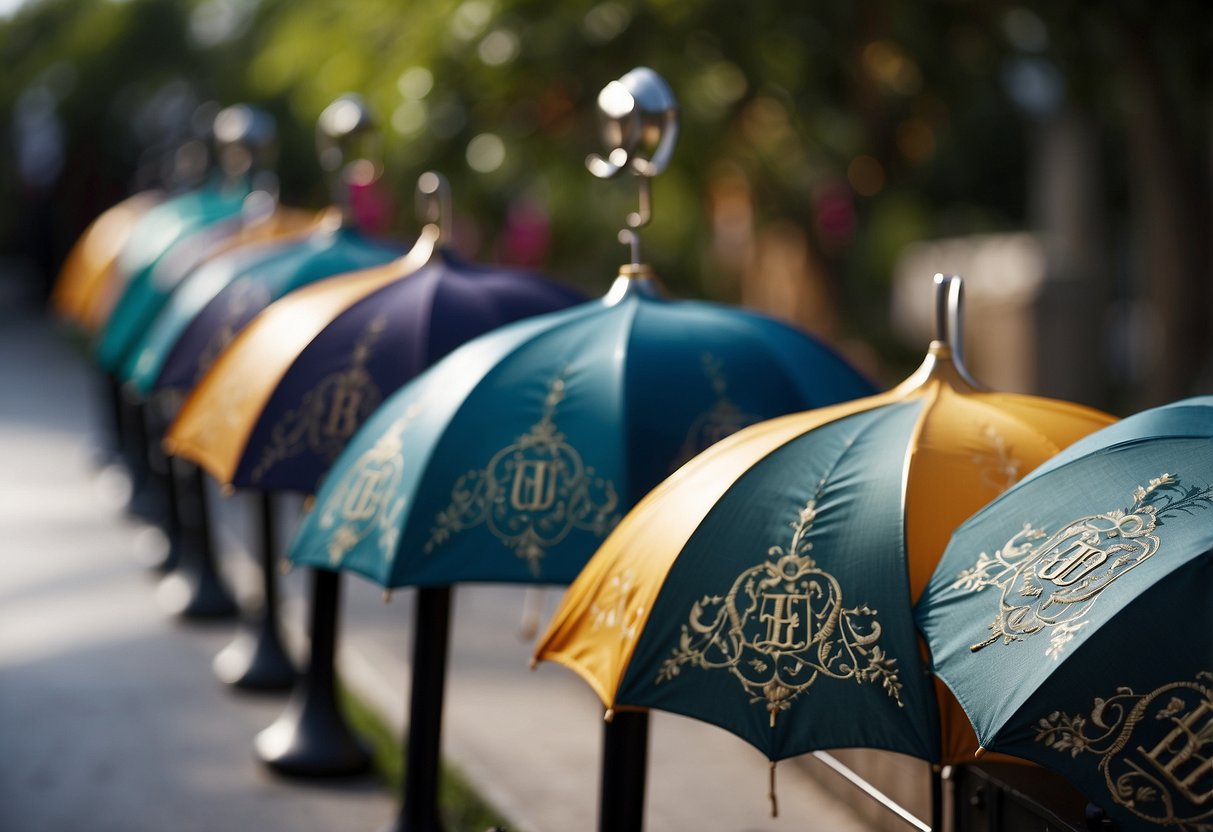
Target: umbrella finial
246, 142
433, 203
949, 321
348, 145
638, 122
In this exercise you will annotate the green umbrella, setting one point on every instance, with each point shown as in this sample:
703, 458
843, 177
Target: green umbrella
1073, 618
148, 260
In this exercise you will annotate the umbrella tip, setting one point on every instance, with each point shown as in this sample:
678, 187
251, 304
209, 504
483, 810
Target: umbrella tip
609, 716
980, 752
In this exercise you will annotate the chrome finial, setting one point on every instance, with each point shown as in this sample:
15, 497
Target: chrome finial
638, 122
348, 144
246, 141
433, 203
949, 321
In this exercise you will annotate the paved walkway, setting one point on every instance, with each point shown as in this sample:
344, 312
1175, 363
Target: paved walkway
110, 717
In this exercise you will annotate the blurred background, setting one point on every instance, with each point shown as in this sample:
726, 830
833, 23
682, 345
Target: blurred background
832, 155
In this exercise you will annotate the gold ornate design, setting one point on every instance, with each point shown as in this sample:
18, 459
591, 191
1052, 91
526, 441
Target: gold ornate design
1050, 582
242, 298
782, 625
723, 419
610, 608
367, 499
999, 469
328, 414
532, 493
1155, 750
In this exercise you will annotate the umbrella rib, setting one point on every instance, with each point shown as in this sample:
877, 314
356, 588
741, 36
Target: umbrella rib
849, 774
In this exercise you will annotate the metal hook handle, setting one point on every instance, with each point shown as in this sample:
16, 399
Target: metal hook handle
347, 144
638, 121
949, 321
433, 203
246, 141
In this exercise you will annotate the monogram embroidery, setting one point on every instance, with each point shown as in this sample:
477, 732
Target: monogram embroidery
329, 413
1051, 582
782, 625
723, 419
532, 493
367, 500
1155, 750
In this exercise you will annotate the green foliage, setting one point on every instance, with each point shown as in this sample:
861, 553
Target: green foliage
463, 810
895, 117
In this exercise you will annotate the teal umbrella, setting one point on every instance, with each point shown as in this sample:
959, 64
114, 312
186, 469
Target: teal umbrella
197, 290
176, 225
513, 457
224, 295
1073, 618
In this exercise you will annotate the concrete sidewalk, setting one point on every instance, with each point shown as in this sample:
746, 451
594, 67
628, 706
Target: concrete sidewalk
111, 718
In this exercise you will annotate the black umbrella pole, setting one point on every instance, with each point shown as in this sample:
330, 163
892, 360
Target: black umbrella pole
423, 747
936, 798
310, 738
115, 442
161, 469
195, 589
145, 499
256, 660
625, 754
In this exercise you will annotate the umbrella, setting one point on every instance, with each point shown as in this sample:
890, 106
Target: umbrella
223, 296
282, 400
176, 235
219, 298
1072, 618
766, 586
85, 277
512, 458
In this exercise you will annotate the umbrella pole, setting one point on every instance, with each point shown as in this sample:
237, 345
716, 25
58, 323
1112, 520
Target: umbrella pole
256, 660
113, 445
166, 483
143, 497
310, 738
936, 798
195, 589
423, 745
625, 742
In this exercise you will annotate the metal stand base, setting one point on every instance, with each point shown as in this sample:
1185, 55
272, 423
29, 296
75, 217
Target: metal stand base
194, 589
256, 660
310, 738
625, 750
423, 746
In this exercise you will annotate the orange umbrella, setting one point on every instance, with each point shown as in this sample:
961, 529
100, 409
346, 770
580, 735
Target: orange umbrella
88, 270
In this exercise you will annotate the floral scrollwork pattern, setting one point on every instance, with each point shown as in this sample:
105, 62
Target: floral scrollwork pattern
330, 412
782, 625
367, 500
532, 493
1155, 750
1049, 583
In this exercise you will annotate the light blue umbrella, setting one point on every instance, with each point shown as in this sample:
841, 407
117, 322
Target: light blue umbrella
1073, 618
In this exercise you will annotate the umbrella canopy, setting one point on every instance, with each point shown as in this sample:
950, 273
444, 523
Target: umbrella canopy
1073, 618
766, 587
165, 228
282, 401
88, 274
512, 458
252, 249
237, 295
